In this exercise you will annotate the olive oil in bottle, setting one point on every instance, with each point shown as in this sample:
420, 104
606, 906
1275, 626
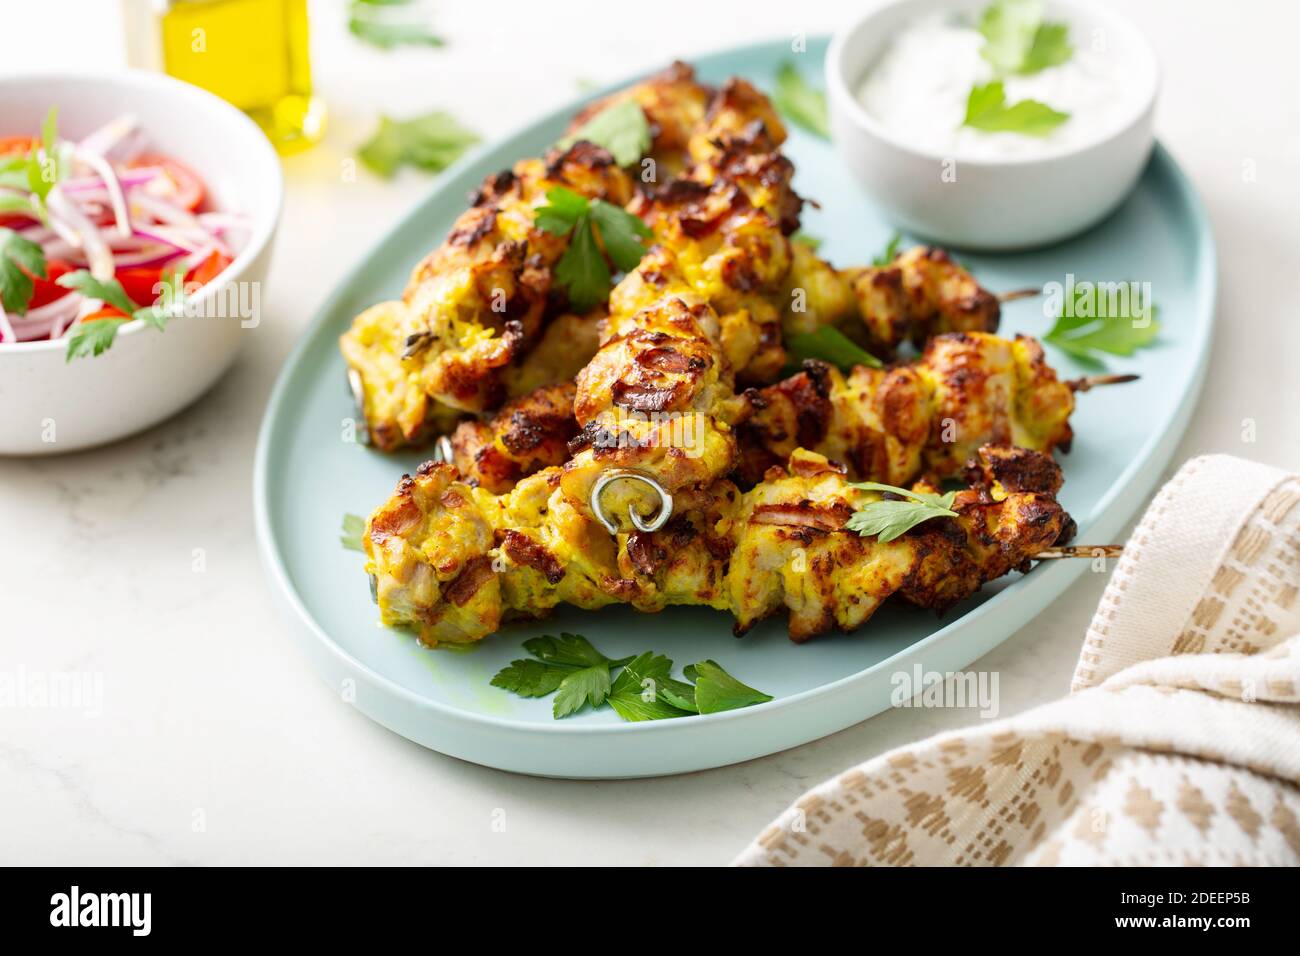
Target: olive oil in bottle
252, 53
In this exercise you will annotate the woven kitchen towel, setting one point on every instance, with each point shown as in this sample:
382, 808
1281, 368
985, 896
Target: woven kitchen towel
1178, 744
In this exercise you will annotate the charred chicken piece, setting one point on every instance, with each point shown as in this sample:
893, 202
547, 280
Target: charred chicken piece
921, 419
452, 562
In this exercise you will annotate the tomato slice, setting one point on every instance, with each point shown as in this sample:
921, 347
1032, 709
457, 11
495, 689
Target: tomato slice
16, 145
107, 312
208, 269
45, 291
139, 283
11, 146
183, 186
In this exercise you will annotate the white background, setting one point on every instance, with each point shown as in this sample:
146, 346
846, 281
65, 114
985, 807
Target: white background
211, 714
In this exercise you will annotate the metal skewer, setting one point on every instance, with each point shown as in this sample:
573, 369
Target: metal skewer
1092, 381
620, 474
1081, 551
1018, 294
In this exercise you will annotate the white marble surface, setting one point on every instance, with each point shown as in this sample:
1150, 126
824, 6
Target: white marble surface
217, 744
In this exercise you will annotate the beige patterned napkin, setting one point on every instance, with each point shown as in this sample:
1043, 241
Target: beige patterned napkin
1178, 744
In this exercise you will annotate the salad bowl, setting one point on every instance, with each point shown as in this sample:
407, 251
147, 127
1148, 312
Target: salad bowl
56, 403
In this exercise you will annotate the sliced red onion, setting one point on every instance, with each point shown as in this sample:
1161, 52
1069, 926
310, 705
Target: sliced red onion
157, 257
63, 249
164, 211
106, 139
180, 238
37, 232
129, 178
47, 320
151, 254
217, 221
88, 237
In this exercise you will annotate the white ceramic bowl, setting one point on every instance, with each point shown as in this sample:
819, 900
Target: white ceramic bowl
1004, 203
48, 405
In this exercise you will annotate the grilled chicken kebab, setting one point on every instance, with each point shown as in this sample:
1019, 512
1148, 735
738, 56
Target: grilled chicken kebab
460, 339
478, 301
452, 562
894, 425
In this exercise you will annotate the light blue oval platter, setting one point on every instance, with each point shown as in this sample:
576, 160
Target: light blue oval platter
307, 478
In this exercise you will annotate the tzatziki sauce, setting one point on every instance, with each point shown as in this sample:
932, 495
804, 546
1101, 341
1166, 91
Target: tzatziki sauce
919, 87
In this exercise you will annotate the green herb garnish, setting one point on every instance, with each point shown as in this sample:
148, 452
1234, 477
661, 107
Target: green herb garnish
987, 109
638, 692
20, 259
583, 270
47, 164
812, 242
579, 676
622, 129
890, 252
1091, 326
829, 344
384, 24
888, 518
93, 337
354, 530
431, 142
1017, 40
110, 291
96, 336
800, 103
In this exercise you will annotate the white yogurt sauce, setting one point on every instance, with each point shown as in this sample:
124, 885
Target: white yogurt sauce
919, 87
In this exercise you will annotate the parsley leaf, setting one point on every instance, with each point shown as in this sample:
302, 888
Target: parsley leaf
645, 689
110, 292
812, 242
1017, 40
1100, 322
569, 650
431, 142
987, 109
620, 233
563, 210
890, 252
637, 693
582, 270
588, 685
354, 528
20, 259
830, 345
716, 690
531, 678
386, 30
92, 338
621, 129
800, 103
173, 294
1051, 47
887, 518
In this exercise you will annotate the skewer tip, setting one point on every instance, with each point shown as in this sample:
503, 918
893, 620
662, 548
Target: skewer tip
1092, 381
1014, 294
1081, 551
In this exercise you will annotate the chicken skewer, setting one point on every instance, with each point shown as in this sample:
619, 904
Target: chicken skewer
453, 562
925, 418
658, 401
477, 302
921, 293
887, 426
